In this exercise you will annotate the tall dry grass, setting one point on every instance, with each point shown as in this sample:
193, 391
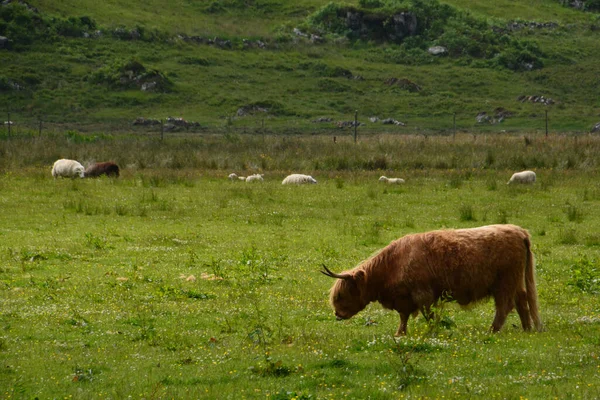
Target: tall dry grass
247, 153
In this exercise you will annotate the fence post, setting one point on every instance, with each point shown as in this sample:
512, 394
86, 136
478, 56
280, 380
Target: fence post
454, 125
355, 124
40, 132
546, 123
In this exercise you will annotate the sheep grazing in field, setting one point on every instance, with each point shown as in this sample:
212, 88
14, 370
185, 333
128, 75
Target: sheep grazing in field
104, 168
298, 179
527, 177
67, 169
255, 178
233, 177
391, 180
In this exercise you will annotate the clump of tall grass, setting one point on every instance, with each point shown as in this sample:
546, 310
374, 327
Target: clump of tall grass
568, 237
466, 213
573, 213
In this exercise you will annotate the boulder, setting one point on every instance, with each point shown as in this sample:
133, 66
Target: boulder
577, 4
403, 25
596, 128
404, 83
392, 121
347, 124
536, 99
484, 118
4, 42
148, 86
298, 32
322, 119
145, 121
502, 113
437, 50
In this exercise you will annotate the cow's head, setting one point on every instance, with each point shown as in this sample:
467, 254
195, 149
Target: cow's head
345, 296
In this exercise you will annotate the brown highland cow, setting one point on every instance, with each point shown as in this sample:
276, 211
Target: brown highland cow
103, 168
414, 272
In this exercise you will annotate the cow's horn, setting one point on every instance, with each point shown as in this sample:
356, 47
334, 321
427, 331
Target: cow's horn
334, 275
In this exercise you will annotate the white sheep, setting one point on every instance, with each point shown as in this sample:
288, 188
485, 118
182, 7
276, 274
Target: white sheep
67, 169
527, 177
255, 178
391, 180
233, 177
298, 179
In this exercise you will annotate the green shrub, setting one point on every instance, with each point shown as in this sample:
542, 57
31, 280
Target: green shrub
585, 276
466, 213
127, 74
370, 3
23, 26
518, 60
330, 19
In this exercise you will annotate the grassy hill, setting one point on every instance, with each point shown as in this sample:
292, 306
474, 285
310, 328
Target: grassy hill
70, 61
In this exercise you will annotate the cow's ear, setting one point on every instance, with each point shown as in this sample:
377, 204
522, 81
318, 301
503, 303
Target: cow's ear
359, 275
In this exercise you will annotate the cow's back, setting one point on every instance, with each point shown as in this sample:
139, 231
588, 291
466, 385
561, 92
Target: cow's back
465, 264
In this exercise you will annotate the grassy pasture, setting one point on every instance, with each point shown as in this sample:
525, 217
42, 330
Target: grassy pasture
98, 298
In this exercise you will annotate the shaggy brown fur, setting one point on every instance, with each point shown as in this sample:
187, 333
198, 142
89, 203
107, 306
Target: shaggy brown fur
467, 265
103, 168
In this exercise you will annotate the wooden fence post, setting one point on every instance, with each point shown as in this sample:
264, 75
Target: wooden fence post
454, 125
355, 124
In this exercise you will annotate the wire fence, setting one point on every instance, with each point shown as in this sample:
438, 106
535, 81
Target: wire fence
19, 124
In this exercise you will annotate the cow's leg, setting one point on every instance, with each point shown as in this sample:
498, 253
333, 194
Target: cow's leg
523, 309
425, 300
403, 323
504, 304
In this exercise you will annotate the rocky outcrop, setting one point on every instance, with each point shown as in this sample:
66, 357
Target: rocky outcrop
536, 99
405, 84
347, 124
377, 26
22, 2
596, 128
172, 124
322, 119
141, 121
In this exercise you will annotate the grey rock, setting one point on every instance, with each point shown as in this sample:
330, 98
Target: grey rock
404, 24
148, 86
392, 121
322, 119
437, 50
298, 32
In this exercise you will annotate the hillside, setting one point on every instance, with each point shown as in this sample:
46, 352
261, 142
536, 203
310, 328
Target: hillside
236, 63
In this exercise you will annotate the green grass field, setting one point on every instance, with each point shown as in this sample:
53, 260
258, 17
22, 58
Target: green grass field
173, 282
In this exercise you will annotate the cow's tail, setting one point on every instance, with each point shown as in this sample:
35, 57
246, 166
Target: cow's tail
531, 288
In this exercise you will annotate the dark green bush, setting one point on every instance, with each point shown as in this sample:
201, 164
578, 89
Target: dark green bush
23, 26
127, 74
